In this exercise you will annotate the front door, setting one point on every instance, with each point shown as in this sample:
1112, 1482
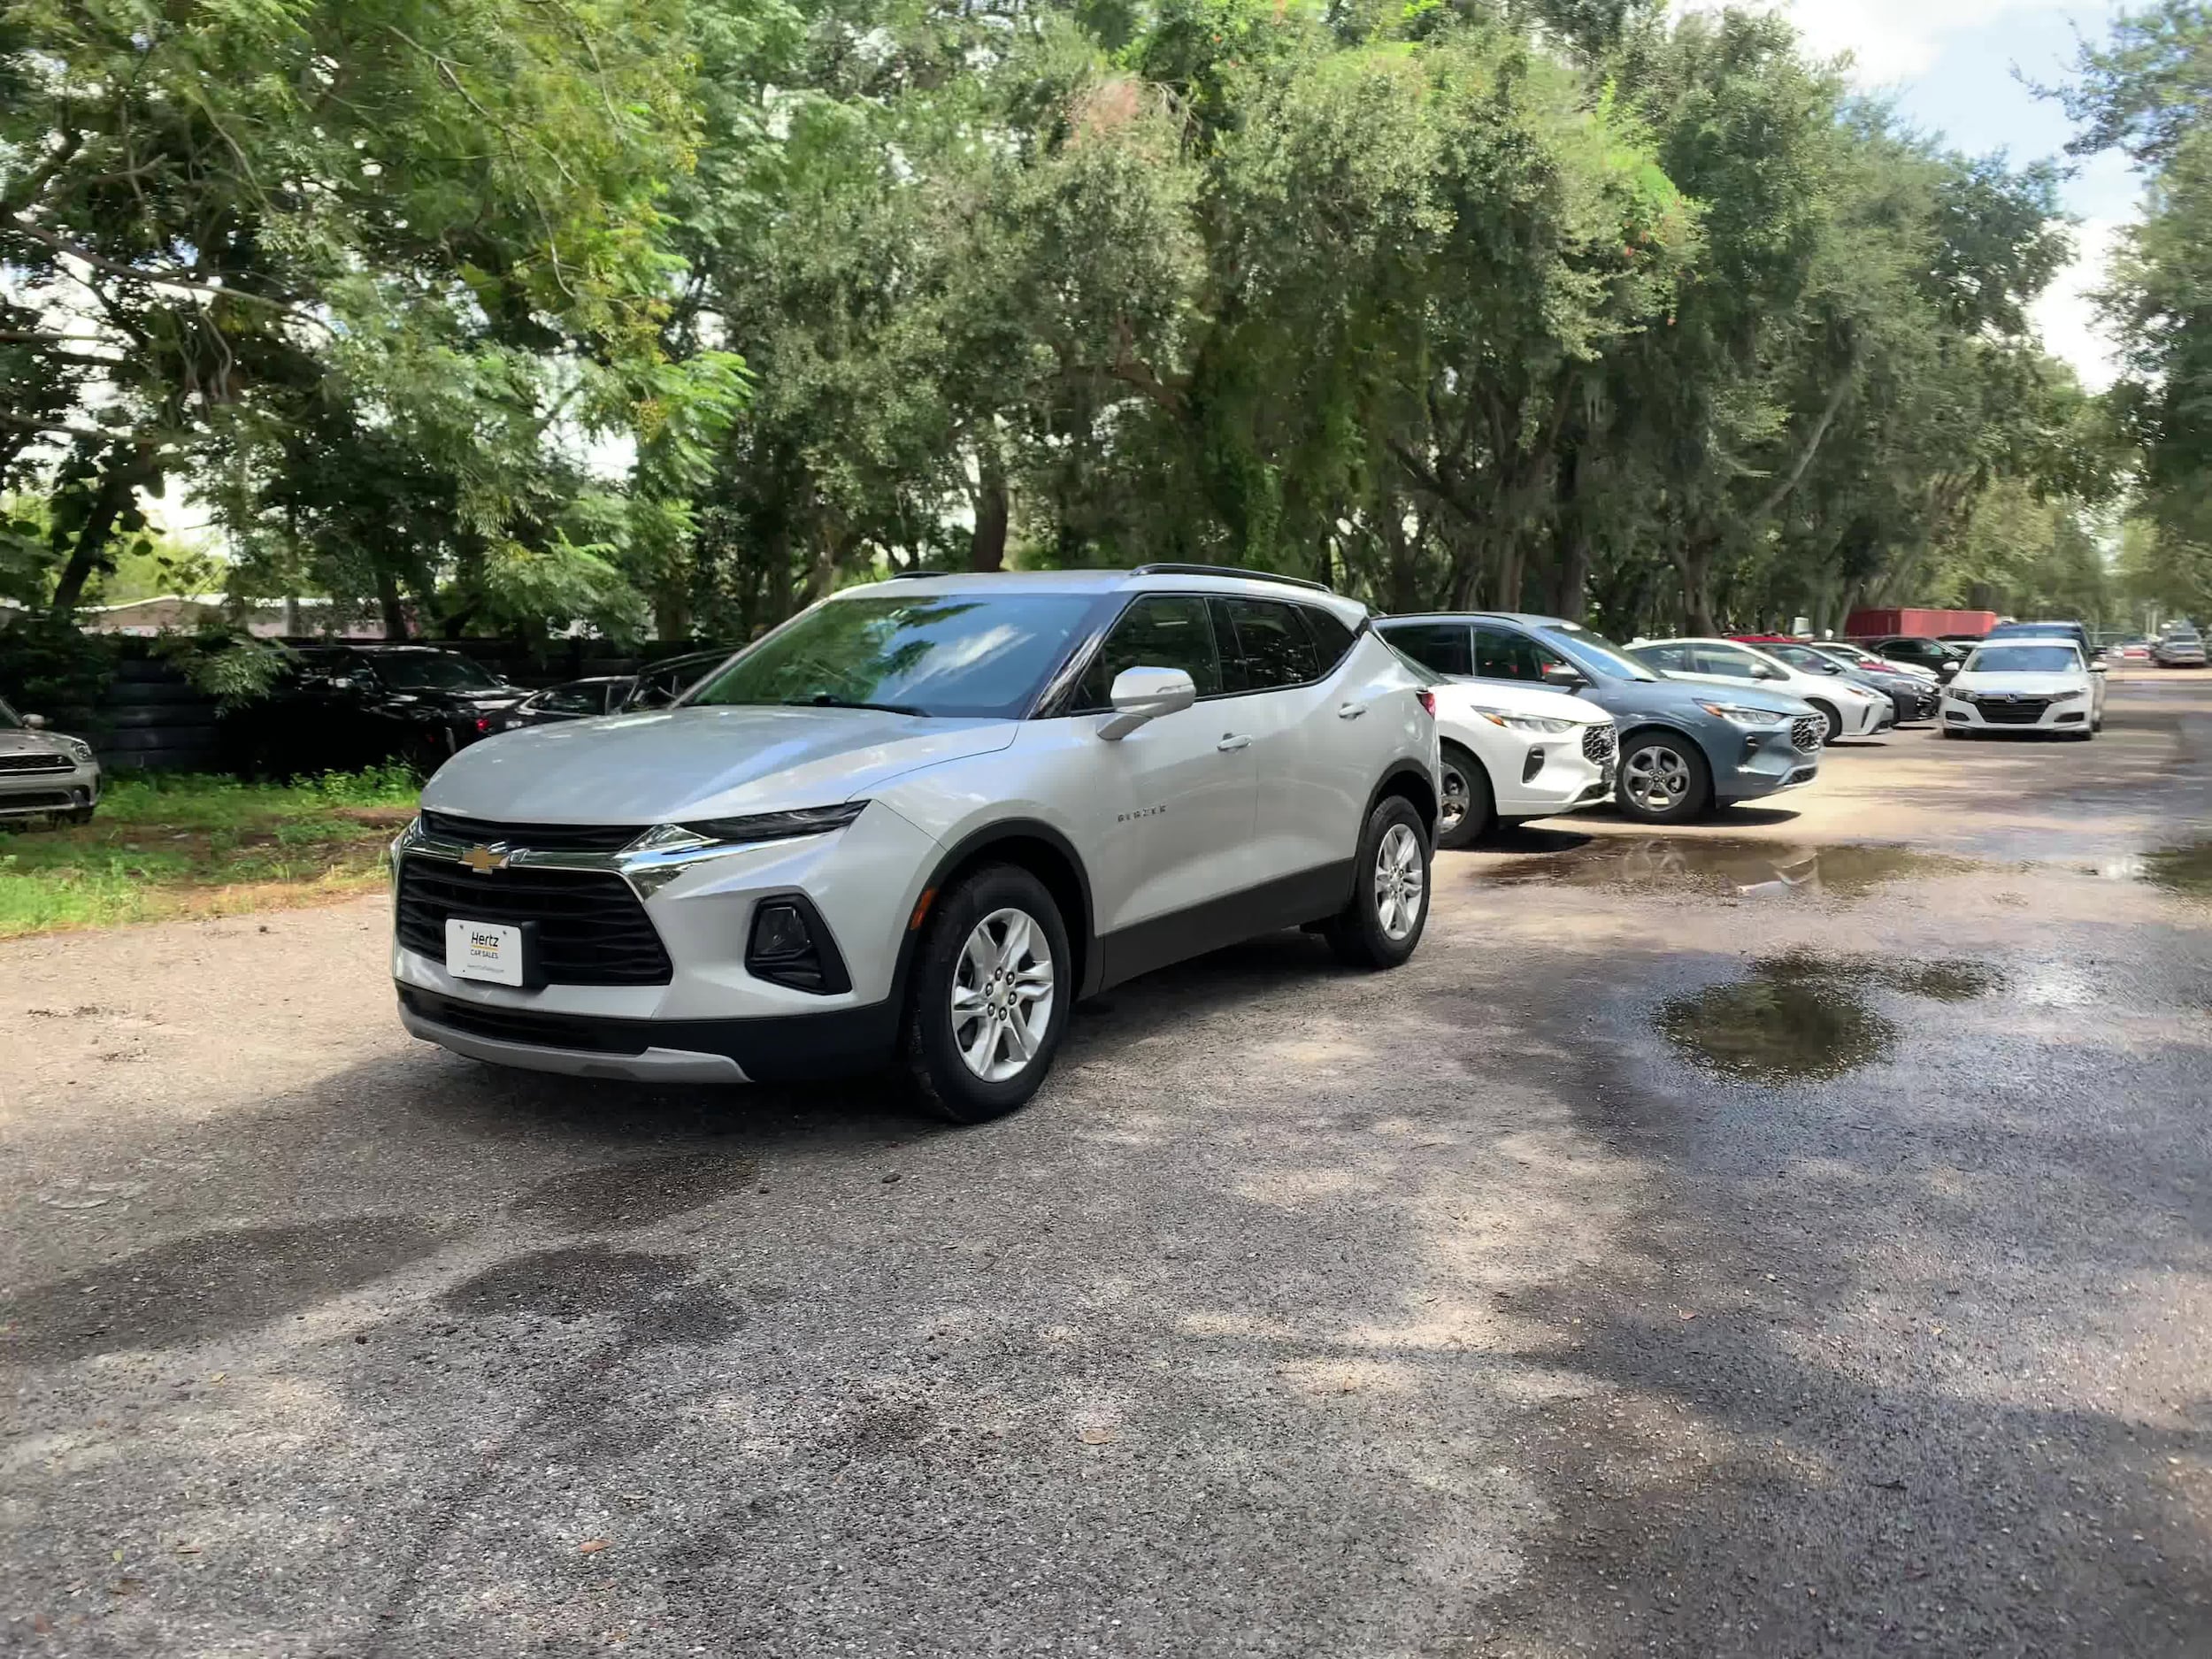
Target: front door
1175, 796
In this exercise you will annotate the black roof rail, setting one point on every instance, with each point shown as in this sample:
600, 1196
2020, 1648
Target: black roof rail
1230, 569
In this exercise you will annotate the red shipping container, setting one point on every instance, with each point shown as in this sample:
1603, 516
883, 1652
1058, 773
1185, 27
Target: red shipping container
1879, 625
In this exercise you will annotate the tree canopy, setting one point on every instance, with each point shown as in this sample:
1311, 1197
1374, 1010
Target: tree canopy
676, 313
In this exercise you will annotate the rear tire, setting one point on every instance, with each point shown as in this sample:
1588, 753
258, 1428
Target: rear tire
975, 1047
1660, 766
1464, 816
1389, 909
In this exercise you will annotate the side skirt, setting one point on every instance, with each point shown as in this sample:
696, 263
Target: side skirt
1292, 902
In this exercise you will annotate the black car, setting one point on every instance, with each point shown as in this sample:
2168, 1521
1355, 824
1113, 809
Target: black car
339, 708
1942, 657
661, 683
576, 700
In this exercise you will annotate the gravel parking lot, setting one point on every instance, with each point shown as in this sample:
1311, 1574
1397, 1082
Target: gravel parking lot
1788, 1236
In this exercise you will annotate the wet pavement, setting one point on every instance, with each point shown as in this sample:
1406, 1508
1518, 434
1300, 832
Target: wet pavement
1788, 1236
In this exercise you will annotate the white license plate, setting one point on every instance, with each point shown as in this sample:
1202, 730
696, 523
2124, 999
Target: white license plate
483, 950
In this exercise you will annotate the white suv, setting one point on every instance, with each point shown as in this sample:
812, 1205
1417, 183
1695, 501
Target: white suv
915, 823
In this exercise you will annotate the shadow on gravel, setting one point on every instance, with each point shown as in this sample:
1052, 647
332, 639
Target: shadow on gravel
190, 1289
636, 1192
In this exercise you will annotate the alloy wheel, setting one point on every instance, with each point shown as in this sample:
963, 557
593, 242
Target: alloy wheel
1453, 812
1657, 778
1002, 991
1401, 885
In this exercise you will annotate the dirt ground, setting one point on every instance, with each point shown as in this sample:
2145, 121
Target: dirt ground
1788, 1236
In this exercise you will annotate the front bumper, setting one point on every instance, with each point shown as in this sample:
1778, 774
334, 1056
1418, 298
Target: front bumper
2021, 715
1567, 780
31, 793
1760, 762
707, 1018
840, 1042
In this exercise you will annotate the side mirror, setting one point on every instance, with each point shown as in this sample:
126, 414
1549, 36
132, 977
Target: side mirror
1143, 695
36, 722
1563, 674
2100, 666
1764, 672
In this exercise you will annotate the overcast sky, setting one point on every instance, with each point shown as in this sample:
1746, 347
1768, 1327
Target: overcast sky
1955, 67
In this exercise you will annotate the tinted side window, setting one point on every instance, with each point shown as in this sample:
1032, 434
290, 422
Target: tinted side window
1331, 637
1441, 646
1161, 631
1272, 646
1501, 654
1667, 659
1712, 660
573, 699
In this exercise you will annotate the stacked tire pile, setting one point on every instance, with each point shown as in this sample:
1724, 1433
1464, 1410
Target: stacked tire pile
153, 721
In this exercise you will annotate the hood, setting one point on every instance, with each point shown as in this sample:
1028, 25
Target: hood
696, 762
14, 742
2026, 685
1680, 698
470, 702
1532, 699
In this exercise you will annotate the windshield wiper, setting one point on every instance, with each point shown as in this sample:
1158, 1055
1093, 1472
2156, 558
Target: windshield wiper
823, 700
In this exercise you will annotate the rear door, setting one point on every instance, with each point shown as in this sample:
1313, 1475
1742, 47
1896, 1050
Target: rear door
1291, 688
1176, 796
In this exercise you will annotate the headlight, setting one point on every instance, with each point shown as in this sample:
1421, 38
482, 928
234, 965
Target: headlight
778, 827
2069, 696
79, 750
1543, 725
1742, 716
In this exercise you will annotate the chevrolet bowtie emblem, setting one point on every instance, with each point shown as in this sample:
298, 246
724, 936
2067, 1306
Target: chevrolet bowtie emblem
483, 860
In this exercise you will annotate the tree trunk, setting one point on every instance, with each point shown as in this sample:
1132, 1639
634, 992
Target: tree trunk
1694, 560
89, 552
388, 602
987, 549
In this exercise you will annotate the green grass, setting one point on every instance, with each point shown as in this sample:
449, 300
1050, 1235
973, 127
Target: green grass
167, 845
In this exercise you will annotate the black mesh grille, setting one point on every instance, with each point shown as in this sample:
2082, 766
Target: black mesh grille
591, 928
36, 798
1805, 731
522, 1025
2027, 712
36, 762
548, 838
1600, 742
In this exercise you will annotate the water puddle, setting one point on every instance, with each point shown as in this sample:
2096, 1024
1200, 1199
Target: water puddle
1741, 868
2186, 870
1801, 1017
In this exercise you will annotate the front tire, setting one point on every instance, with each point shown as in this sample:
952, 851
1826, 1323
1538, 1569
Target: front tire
1827, 711
993, 982
1464, 816
1389, 911
1664, 779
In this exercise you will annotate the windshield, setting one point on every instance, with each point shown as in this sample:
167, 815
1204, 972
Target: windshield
431, 671
1596, 655
1806, 657
2034, 631
949, 655
2025, 659
9, 721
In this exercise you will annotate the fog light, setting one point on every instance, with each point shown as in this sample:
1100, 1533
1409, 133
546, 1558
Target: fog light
1535, 764
791, 945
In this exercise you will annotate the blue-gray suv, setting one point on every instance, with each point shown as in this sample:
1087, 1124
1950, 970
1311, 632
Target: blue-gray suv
1685, 749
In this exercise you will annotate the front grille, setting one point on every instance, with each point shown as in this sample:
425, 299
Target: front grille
37, 799
2027, 712
36, 762
1805, 731
547, 838
591, 928
522, 1025
1600, 743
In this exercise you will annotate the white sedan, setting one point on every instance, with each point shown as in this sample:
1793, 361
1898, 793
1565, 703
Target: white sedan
2025, 685
1850, 710
1516, 752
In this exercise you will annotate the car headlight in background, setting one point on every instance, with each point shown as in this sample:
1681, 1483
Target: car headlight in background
1543, 725
1743, 716
776, 826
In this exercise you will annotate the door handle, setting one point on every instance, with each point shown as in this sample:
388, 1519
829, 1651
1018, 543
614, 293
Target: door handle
1351, 711
1230, 742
